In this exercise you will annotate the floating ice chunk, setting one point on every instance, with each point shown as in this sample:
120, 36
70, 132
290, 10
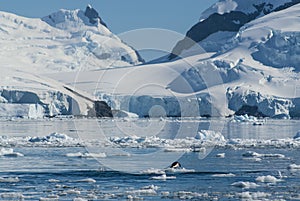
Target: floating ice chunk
12, 196
221, 155
53, 180
79, 199
180, 170
245, 184
55, 139
146, 190
209, 135
252, 195
9, 179
244, 118
224, 175
9, 152
188, 195
86, 155
87, 180
293, 167
51, 137
267, 179
257, 155
153, 171
163, 177
73, 192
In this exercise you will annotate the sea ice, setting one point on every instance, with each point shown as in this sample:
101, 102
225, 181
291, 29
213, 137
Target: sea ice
245, 184
267, 179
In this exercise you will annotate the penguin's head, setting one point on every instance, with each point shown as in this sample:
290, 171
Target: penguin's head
176, 164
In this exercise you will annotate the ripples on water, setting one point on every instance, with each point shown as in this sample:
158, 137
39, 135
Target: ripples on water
49, 170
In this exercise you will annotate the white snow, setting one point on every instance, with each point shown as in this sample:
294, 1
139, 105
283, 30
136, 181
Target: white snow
209, 84
226, 6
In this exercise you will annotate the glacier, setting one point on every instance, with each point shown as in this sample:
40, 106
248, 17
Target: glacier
64, 41
69, 59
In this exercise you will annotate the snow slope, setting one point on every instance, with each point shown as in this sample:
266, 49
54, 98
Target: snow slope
59, 64
62, 41
255, 72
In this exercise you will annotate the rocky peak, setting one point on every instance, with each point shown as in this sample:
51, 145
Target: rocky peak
93, 15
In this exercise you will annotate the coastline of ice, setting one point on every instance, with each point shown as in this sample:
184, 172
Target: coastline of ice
199, 143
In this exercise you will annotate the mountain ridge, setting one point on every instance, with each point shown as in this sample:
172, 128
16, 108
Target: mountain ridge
213, 20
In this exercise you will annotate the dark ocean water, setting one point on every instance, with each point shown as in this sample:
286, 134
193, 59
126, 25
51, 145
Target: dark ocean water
51, 170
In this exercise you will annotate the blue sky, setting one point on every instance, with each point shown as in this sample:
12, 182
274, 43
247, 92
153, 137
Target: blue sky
120, 15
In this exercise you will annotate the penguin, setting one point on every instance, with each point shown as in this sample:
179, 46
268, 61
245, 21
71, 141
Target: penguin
175, 165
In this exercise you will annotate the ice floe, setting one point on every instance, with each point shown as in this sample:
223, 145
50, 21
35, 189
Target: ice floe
253, 195
9, 179
224, 175
294, 167
257, 155
86, 155
146, 190
163, 177
9, 152
245, 184
244, 118
267, 179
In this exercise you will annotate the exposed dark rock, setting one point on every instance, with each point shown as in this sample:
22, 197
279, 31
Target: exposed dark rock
101, 109
231, 22
93, 15
249, 110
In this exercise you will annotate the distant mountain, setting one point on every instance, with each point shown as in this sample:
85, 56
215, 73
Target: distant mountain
64, 41
254, 70
225, 16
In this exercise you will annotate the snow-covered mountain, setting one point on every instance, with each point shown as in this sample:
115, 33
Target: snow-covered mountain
63, 41
255, 71
222, 21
